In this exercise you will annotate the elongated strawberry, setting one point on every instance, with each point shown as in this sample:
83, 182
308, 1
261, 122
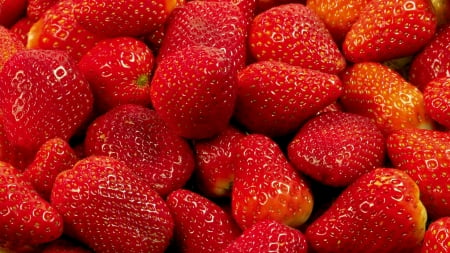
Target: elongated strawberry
294, 34
275, 98
436, 96
424, 155
374, 90
110, 209
437, 237
379, 212
9, 46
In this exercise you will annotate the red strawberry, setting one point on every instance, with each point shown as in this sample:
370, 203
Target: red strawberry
266, 186
137, 136
374, 90
424, 155
336, 148
21, 29
25, 218
9, 46
118, 70
269, 236
379, 212
437, 237
44, 95
110, 209
275, 98
294, 34
390, 29
11, 11
436, 96
247, 7
197, 100
200, 224
65, 246
37, 8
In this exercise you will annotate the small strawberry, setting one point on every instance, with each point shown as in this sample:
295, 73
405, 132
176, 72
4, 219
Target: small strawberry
37, 8
275, 98
269, 236
424, 155
266, 186
11, 11
294, 34
64, 245
21, 29
138, 137
110, 209
436, 96
10, 45
437, 237
390, 29
379, 212
200, 224
336, 148
376, 91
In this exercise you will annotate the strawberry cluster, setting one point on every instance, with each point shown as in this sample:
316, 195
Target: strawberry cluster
225, 126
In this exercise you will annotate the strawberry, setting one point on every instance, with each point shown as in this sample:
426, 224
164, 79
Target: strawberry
110, 209
424, 155
44, 95
376, 91
269, 236
336, 148
390, 29
197, 100
266, 186
275, 98
64, 245
437, 236
436, 96
25, 218
9, 46
37, 8
433, 61
54, 156
21, 29
11, 11
294, 34
118, 70
138, 137
379, 212
212, 229
247, 7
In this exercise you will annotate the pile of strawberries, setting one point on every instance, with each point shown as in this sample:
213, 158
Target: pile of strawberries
225, 126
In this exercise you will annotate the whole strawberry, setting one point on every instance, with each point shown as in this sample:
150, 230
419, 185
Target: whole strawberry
379, 212
110, 209
436, 96
437, 237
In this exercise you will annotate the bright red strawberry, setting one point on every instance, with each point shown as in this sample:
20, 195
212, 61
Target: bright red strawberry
269, 236
376, 91
433, 61
44, 95
436, 96
275, 98
266, 186
437, 237
379, 212
294, 34
389, 29
197, 100
65, 246
201, 225
37, 8
336, 148
9, 46
110, 209
25, 218
424, 155
118, 70
11, 11
137, 136
21, 29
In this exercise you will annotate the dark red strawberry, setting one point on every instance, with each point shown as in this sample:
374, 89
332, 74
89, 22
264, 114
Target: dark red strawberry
110, 209
436, 96
437, 236
64, 245
275, 98
10, 45
11, 11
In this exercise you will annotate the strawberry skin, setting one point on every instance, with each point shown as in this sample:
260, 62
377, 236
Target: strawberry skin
437, 100
65, 246
37, 8
437, 237
9, 46
11, 11
379, 212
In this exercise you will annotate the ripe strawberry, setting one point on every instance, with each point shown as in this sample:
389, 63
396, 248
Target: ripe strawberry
44, 95
11, 11
437, 237
294, 34
200, 224
25, 218
433, 61
247, 7
379, 212
275, 98
118, 70
424, 155
336, 148
138, 137
390, 29
266, 186
37, 8
64, 245
436, 96
9, 46
197, 100
269, 236
374, 90
110, 209
21, 29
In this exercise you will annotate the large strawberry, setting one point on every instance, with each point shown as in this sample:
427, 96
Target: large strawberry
274, 97
379, 212
9, 46
294, 34
390, 29
437, 237
436, 96
110, 209
44, 95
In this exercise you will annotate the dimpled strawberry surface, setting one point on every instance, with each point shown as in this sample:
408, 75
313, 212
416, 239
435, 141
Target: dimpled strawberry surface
225, 126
